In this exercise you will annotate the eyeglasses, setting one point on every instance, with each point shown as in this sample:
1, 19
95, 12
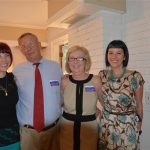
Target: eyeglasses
78, 59
29, 45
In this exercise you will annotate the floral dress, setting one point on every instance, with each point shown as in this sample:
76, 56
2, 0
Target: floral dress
118, 127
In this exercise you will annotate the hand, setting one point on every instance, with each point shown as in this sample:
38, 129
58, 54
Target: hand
98, 113
139, 126
99, 106
66, 76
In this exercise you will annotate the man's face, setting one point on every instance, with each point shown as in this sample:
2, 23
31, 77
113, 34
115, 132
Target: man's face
30, 47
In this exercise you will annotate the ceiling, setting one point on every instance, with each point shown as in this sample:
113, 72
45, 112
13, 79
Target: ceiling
51, 13
29, 13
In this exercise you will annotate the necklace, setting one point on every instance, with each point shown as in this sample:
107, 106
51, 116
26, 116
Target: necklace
4, 89
112, 77
114, 82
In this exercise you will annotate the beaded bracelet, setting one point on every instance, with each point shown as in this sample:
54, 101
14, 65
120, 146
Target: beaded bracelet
139, 118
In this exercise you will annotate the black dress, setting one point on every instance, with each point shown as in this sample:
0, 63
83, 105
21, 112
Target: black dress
9, 127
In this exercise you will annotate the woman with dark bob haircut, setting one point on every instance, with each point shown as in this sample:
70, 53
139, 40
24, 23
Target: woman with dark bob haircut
118, 44
122, 92
9, 127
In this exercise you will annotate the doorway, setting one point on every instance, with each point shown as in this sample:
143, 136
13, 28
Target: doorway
62, 55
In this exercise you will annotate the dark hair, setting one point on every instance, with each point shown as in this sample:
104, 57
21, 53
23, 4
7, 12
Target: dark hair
4, 48
117, 44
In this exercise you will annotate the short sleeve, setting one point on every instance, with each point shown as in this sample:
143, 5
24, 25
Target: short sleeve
137, 80
102, 74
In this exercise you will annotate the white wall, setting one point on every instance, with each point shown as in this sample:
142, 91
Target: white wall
55, 46
89, 33
95, 33
137, 35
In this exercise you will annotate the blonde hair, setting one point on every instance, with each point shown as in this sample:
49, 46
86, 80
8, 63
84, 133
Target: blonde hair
28, 34
85, 52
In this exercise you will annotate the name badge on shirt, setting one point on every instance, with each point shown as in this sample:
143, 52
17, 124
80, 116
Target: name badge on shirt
90, 89
54, 83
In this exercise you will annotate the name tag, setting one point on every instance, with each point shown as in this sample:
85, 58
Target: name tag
90, 89
54, 83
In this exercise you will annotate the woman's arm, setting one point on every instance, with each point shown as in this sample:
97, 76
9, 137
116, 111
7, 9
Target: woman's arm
98, 85
139, 105
64, 81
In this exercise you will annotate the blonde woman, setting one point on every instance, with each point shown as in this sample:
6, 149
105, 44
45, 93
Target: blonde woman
80, 90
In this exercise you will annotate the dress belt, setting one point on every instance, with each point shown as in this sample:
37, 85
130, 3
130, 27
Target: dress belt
44, 129
121, 113
79, 118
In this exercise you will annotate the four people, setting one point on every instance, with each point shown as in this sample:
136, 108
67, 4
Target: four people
32, 139
122, 92
80, 93
9, 126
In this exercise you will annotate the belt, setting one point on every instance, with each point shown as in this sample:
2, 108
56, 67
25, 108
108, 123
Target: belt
44, 129
120, 113
79, 118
